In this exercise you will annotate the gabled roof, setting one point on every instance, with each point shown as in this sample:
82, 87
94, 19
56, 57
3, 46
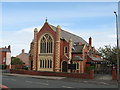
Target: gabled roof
4, 50
77, 58
95, 58
67, 35
78, 48
27, 54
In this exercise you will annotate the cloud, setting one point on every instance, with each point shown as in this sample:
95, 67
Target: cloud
18, 40
21, 39
100, 37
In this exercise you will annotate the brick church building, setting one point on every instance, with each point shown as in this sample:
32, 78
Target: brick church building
54, 49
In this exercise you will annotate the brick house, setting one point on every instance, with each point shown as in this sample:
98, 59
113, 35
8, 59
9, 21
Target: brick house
54, 49
5, 56
24, 57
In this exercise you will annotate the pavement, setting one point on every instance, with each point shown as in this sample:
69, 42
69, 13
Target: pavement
105, 81
18, 81
35, 76
103, 77
100, 80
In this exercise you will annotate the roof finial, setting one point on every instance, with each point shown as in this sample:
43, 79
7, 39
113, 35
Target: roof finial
46, 19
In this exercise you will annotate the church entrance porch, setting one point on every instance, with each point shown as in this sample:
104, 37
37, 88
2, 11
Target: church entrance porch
64, 66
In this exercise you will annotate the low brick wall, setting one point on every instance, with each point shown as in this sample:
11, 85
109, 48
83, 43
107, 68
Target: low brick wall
17, 66
114, 74
89, 75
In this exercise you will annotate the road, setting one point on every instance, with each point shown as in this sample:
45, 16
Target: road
29, 82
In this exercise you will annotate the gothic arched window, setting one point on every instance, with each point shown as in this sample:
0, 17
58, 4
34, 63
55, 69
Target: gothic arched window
46, 44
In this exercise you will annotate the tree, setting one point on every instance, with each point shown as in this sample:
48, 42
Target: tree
109, 53
16, 61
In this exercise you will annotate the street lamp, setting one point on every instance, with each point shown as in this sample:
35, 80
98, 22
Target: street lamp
117, 46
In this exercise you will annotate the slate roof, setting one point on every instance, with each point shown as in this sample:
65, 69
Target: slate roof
4, 50
77, 58
67, 35
95, 58
78, 48
27, 54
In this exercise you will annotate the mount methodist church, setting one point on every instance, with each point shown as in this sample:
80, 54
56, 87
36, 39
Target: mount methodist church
54, 49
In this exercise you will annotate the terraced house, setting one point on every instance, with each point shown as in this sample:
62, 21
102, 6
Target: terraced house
54, 49
5, 56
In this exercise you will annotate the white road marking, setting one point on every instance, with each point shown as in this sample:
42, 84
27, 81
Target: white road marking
28, 81
66, 87
13, 79
85, 81
5, 79
41, 83
104, 83
37, 83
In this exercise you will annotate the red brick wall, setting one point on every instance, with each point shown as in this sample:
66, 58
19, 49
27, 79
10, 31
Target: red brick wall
62, 55
2, 57
89, 75
17, 66
47, 29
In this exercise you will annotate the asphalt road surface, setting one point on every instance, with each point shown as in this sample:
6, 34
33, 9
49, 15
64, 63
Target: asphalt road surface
29, 82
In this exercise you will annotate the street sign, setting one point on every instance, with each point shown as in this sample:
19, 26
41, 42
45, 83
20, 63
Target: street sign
72, 66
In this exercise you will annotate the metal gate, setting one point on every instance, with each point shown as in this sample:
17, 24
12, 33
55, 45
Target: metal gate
102, 70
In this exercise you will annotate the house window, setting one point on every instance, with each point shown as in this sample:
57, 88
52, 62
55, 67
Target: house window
50, 63
40, 63
77, 65
46, 63
65, 49
43, 63
46, 44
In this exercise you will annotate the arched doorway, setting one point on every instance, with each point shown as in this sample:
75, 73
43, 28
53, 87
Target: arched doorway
64, 66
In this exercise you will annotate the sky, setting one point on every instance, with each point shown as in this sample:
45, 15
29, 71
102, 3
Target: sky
85, 19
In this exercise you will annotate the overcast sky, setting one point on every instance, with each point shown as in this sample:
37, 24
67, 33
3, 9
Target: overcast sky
86, 19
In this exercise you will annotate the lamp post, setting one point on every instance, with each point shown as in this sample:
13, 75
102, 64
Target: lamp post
117, 46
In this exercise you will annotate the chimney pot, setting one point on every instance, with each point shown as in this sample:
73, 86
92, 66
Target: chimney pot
9, 47
23, 50
90, 41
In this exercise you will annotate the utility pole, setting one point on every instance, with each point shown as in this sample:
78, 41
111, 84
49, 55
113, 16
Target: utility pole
117, 47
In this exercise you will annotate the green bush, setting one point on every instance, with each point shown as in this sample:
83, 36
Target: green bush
0, 66
16, 61
90, 68
3, 66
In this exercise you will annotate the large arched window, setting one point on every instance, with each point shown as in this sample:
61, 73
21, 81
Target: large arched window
46, 44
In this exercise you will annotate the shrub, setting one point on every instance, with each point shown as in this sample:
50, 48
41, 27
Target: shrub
90, 68
3, 66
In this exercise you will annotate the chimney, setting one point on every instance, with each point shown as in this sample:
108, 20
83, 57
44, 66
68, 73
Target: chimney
9, 47
23, 50
90, 41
